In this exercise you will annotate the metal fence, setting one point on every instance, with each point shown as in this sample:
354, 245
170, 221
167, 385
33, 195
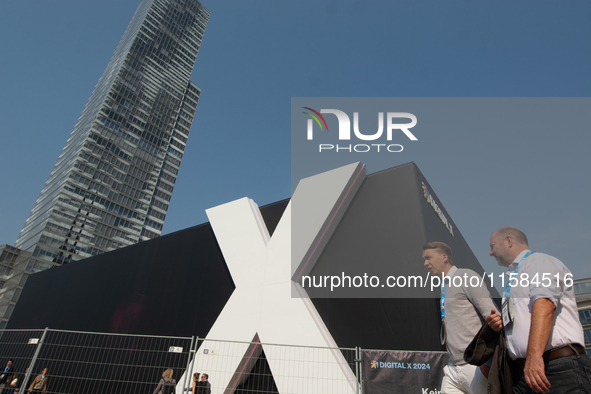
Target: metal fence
97, 363
254, 367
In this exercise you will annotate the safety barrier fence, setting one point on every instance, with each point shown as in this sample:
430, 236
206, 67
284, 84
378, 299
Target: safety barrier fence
103, 363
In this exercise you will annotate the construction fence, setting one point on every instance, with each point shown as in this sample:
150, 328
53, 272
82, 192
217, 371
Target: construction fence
93, 363
101, 363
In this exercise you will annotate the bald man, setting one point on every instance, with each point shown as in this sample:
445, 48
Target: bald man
540, 318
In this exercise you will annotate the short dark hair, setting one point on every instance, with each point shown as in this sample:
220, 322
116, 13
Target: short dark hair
442, 247
206, 376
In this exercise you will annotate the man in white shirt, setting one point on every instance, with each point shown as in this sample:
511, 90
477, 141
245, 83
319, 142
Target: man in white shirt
540, 318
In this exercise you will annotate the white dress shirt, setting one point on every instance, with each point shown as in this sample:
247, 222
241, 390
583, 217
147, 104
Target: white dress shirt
567, 327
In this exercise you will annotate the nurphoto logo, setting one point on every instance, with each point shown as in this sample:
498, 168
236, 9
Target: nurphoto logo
344, 130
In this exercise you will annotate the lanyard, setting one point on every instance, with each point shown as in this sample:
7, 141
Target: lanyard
508, 285
442, 302
442, 334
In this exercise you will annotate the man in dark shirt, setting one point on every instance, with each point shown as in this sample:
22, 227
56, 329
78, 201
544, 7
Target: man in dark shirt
7, 371
204, 387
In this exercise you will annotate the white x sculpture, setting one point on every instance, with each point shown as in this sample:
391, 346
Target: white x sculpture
263, 307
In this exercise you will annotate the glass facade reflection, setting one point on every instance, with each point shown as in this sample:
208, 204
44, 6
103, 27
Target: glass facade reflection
582, 289
112, 183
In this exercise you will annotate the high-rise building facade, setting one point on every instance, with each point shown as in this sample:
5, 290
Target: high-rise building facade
112, 183
583, 295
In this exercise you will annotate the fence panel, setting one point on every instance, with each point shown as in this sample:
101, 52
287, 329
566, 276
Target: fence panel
255, 367
18, 346
98, 363
89, 363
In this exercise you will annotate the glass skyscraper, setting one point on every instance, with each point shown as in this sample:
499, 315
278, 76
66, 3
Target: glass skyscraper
112, 183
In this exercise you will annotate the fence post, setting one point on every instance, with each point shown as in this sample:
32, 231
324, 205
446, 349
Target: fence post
194, 351
32, 364
359, 369
188, 362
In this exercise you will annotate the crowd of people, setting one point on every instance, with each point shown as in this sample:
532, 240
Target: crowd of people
11, 381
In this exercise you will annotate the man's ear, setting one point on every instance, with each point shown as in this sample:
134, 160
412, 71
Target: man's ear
509, 241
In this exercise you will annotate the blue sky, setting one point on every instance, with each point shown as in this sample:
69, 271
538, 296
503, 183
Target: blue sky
256, 55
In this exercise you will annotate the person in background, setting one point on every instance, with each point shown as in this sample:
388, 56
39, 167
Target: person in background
4, 376
11, 384
166, 384
205, 383
196, 383
40, 382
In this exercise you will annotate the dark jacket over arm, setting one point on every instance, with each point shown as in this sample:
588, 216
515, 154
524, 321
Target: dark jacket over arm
486, 344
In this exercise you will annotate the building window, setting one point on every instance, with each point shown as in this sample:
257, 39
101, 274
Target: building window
583, 288
585, 316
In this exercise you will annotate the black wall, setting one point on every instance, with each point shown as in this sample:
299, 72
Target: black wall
173, 285
382, 234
